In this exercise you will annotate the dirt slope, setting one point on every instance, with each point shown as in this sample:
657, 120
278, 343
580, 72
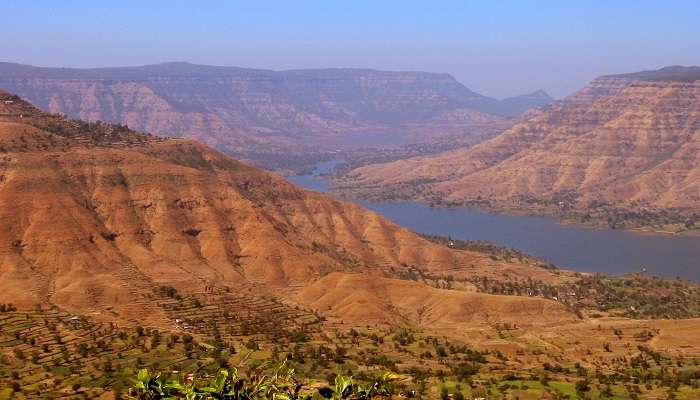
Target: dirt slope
363, 299
96, 216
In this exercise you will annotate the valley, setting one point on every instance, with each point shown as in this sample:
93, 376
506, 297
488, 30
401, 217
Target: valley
164, 254
359, 200
600, 249
620, 153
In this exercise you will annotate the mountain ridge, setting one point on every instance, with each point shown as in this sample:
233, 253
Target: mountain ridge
261, 114
673, 73
619, 152
186, 69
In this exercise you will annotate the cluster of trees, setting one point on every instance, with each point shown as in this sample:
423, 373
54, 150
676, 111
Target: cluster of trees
168, 291
642, 296
495, 251
633, 297
97, 132
447, 364
632, 216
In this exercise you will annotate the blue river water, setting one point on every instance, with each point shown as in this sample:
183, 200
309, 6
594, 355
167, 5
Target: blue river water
595, 250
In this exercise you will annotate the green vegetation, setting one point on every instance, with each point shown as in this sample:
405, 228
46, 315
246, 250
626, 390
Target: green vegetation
280, 384
632, 296
494, 251
49, 353
634, 216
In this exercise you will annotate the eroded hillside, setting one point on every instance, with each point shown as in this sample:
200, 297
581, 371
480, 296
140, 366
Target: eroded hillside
624, 152
96, 217
120, 250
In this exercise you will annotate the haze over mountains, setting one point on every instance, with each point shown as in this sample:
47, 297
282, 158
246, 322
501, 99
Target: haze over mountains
624, 150
252, 113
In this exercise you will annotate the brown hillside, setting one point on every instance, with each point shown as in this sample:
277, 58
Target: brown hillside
620, 144
363, 299
95, 217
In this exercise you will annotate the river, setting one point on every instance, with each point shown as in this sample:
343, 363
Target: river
608, 251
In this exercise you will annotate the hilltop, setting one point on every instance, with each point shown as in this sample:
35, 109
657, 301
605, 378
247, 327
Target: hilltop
621, 152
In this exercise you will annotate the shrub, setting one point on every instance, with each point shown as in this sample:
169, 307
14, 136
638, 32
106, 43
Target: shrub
229, 384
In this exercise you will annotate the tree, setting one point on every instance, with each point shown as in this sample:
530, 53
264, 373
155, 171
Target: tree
583, 386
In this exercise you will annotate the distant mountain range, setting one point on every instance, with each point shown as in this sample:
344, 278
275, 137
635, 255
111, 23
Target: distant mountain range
624, 152
675, 73
519, 104
247, 111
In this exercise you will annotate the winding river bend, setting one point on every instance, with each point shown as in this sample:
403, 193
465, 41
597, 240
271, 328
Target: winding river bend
595, 250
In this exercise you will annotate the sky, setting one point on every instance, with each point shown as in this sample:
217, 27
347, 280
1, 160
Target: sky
498, 48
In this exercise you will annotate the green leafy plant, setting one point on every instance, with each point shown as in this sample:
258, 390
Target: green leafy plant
228, 384
344, 388
150, 386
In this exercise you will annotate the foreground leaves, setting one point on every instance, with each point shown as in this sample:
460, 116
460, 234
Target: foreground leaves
228, 384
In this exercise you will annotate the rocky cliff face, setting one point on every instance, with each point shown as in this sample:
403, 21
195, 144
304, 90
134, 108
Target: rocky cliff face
95, 217
620, 143
244, 111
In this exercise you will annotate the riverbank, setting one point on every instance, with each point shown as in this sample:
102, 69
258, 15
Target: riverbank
641, 219
579, 247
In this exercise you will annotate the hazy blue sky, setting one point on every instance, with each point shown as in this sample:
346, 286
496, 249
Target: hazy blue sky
498, 48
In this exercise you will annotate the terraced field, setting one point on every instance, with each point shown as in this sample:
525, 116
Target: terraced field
229, 316
51, 353
60, 355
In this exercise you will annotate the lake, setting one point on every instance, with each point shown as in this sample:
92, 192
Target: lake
595, 250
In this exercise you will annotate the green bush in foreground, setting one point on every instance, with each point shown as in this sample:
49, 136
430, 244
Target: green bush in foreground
230, 385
